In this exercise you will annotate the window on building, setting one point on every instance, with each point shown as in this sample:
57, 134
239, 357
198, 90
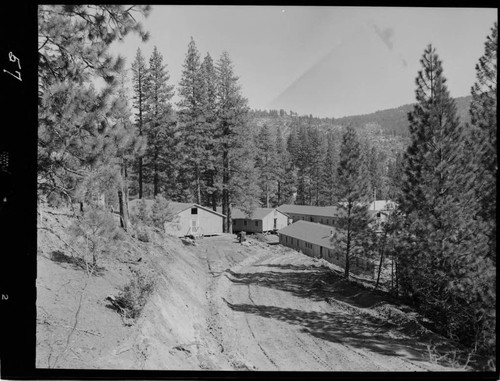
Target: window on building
321, 220
256, 223
327, 222
245, 222
194, 210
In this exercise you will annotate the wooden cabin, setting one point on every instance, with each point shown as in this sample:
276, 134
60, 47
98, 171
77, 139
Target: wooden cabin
262, 220
314, 240
192, 219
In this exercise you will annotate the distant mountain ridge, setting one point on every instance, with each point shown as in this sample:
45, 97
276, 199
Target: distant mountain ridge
394, 121
387, 130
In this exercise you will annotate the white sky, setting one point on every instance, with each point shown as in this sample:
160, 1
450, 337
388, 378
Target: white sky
327, 61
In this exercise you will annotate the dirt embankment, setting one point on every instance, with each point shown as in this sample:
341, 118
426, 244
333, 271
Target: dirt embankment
219, 305
78, 328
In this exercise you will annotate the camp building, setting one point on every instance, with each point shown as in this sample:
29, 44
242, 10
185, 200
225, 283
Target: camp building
322, 214
313, 239
192, 219
262, 220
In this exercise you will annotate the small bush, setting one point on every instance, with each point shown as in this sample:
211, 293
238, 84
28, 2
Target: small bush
94, 234
161, 213
142, 233
135, 294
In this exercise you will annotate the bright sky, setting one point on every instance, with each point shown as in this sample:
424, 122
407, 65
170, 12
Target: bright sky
325, 61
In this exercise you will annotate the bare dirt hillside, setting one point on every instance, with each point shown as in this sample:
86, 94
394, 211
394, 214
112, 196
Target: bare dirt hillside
219, 305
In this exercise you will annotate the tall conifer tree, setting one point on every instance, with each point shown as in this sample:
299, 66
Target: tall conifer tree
352, 222
439, 264
265, 162
160, 126
139, 81
192, 118
232, 114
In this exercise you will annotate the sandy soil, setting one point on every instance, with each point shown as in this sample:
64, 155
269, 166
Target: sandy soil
266, 313
219, 305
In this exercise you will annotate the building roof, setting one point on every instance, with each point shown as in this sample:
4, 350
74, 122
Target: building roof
177, 207
258, 213
312, 232
323, 211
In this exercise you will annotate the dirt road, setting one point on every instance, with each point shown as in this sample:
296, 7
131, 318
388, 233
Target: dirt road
267, 311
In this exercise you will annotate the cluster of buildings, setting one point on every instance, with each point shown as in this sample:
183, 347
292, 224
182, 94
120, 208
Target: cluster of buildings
308, 229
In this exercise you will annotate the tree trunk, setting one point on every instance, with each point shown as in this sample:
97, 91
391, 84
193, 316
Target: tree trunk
225, 190
381, 260
279, 193
123, 210
267, 196
198, 187
155, 180
347, 255
140, 177
397, 285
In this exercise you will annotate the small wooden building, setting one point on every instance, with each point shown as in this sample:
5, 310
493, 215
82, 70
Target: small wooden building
321, 214
314, 240
192, 219
262, 220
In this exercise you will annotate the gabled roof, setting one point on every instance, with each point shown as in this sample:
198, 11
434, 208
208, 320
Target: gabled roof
312, 232
258, 213
322, 211
177, 207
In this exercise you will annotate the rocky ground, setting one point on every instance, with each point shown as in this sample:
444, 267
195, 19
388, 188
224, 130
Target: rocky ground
220, 305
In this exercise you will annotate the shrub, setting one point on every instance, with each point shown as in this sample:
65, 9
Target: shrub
140, 213
95, 233
135, 294
161, 213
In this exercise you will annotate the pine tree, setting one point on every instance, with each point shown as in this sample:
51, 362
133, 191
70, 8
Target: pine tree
232, 113
192, 118
129, 145
265, 162
159, 123
139, 70
483, 136
441, 235
481, 161
316, 153
212, 147
285, 176
302, 162
74, 128
329, 172
352, 222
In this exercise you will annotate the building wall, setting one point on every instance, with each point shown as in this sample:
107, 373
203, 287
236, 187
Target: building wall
207, 223
312, 218
252, 226
281, 221
260, 226
358, 266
